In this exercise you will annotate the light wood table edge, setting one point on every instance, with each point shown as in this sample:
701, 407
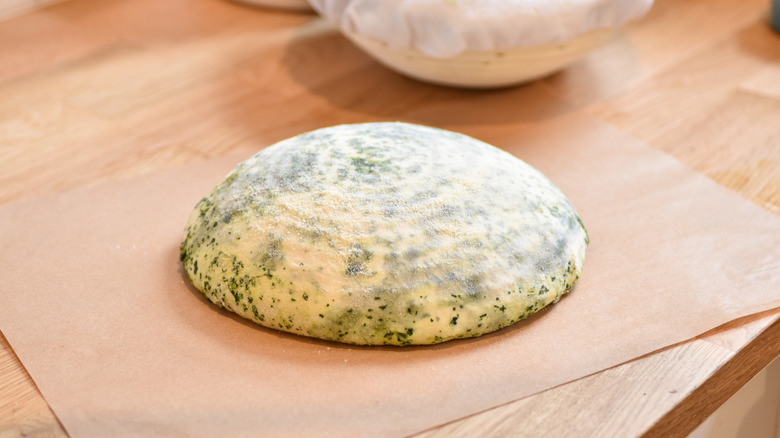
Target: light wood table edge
722, 384
691, 399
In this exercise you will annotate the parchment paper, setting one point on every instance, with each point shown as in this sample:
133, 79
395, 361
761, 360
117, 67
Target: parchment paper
96, 306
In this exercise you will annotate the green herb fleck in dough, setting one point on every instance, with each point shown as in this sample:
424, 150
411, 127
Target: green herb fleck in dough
449, 236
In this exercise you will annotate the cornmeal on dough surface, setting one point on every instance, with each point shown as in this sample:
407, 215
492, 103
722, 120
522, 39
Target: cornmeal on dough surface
384, 233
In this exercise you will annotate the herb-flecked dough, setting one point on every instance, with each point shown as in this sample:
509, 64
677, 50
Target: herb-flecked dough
384, 234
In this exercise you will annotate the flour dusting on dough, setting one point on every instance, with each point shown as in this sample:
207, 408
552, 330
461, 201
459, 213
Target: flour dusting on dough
384, 233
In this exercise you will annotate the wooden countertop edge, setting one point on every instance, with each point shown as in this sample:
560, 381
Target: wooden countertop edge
721, 385
690, 400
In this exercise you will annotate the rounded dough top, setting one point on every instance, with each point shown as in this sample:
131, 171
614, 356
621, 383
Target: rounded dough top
445, 28
384, 233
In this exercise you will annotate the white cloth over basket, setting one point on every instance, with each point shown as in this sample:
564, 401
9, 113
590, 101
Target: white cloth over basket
446, 28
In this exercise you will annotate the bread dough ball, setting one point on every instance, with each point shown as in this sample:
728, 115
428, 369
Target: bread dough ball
384, 233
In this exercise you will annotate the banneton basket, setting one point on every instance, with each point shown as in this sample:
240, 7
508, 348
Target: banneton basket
478, 43
293, 5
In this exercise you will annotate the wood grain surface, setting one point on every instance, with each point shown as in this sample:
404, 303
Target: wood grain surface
92, 91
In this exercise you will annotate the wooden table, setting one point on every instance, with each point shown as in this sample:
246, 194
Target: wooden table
93, 90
